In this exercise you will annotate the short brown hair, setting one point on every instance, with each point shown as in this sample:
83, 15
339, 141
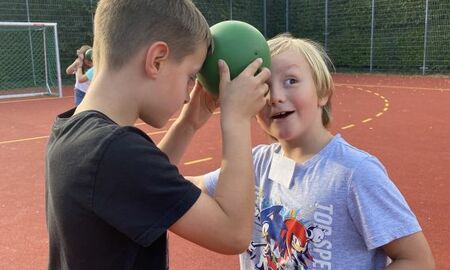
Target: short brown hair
83, 49
123, 27
318, 61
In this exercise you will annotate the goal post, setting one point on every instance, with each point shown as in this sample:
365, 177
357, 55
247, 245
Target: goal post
30, 63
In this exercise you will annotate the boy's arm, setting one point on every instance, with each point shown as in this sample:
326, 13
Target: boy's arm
80, 76
410, 253
224, 223
193, 116
72, 68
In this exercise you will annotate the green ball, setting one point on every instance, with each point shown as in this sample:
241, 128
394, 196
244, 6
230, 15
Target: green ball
238, 44
88, 55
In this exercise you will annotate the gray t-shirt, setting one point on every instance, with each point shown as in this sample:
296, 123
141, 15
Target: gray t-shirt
338, 209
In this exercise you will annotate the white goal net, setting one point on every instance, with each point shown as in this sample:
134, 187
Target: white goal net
30, 64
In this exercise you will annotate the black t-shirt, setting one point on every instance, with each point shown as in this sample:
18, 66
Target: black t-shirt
111, 194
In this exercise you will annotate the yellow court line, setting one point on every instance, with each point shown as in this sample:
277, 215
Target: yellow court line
197, 161
46, 137
386, 106
34, 99
170, 120
156, 132
392, 86
24, 140
349, 126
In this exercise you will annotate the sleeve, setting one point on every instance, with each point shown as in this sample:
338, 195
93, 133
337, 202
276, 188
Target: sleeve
378, 209
90, 74
210, 181
138, 191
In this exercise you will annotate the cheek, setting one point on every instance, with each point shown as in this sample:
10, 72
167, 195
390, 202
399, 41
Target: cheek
305, 102
263, 116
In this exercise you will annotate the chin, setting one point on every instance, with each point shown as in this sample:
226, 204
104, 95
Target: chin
284, 135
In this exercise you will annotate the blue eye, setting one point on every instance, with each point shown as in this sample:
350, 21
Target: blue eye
290, 82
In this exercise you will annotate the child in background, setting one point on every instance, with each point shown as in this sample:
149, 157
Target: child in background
79, 67
111, 192
90, 72
321, 203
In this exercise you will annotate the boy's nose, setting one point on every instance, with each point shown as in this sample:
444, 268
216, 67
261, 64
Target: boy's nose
275, 96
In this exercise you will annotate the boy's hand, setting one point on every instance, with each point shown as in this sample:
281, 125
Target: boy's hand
200, 107
80, 56
243, 97
79, 62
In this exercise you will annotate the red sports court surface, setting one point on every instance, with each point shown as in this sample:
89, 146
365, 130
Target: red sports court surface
401, 120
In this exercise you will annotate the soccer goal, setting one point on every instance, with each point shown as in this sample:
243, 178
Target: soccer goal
30, 64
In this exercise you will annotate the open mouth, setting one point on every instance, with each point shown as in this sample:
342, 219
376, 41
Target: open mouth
282, 115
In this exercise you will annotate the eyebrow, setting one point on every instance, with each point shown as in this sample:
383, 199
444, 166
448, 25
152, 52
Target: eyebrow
293, 65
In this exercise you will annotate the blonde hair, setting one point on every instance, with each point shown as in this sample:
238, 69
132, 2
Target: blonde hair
123, 27
317, 59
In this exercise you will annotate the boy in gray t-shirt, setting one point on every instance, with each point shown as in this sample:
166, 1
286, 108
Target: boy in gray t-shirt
320, 202
340, 206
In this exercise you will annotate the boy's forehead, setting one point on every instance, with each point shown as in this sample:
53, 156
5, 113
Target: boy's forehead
288, 60
194, 60
200, 55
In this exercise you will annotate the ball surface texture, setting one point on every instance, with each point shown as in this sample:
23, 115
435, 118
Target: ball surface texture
238, 44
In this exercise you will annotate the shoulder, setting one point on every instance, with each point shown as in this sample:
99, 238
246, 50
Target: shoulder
95, 131
265, 151
129, 145
348, 151
351, 157
364, 170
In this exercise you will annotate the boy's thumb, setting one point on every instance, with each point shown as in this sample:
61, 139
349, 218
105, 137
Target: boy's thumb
224, 72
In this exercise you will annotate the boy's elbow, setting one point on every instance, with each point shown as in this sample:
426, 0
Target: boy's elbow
243, 242
423, 263
430, 264
427, 261
237, 246
238, 243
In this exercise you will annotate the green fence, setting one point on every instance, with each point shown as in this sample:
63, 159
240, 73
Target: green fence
404, 36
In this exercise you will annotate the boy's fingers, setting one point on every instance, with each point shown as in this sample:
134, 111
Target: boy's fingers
197, 85
264, 75
266, 89
224, 72
253, 67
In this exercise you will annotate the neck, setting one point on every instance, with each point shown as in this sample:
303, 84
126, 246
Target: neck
305, 147
111, 94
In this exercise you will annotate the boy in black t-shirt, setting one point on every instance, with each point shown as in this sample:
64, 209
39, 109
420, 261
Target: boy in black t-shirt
111, 193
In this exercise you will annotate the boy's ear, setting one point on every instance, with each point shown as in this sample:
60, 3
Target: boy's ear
323, 100
156, 54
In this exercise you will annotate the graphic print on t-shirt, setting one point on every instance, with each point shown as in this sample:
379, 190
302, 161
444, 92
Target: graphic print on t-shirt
285, 238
